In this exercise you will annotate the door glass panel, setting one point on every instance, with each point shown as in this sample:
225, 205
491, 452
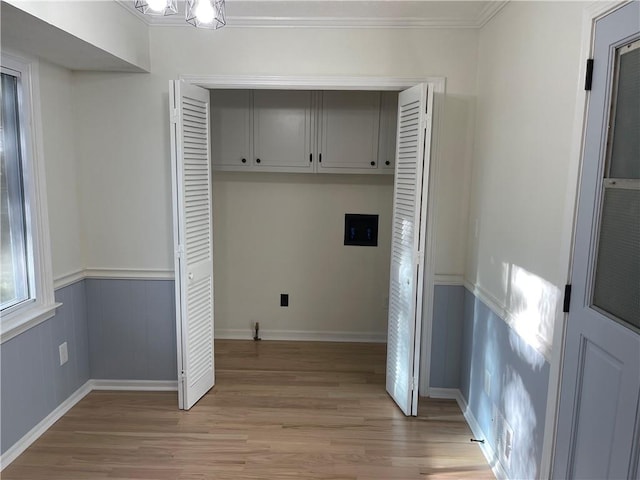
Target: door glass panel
625, 124
617, 278
617, 287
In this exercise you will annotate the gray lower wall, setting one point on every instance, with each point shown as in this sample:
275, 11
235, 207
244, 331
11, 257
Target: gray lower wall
125, 329
32, 379
446, 333
114, 329
132, 331
518, 386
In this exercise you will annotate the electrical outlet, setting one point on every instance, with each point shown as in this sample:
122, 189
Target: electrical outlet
487, 382
64, 353
284, 299
507, 444
503, 433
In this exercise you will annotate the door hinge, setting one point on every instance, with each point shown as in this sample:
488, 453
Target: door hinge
413, 384
174, 115
567, 298
180, 251
183, 377
588, 79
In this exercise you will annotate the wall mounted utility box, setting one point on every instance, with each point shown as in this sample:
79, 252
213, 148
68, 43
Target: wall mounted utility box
361, 230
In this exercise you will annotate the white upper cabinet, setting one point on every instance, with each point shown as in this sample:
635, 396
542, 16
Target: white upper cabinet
231, 129
282, 130
304, 131
387, 136
349, 131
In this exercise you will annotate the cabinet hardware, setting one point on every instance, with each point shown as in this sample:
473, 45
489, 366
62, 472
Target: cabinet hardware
373, 164
257, 160
320, 158
311, 157
387, 162
244, 160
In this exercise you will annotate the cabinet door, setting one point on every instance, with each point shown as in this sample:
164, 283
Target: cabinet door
349, 132
230, 129
282, 130
388, 123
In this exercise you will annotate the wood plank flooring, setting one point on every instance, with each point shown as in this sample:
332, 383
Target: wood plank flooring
279, 410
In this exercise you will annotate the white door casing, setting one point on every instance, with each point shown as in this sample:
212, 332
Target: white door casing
415, 113
598, 423
193, 239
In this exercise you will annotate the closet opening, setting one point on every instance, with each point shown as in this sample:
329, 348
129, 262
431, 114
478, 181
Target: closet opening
285, 166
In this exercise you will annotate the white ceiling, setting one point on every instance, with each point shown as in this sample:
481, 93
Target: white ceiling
344, 13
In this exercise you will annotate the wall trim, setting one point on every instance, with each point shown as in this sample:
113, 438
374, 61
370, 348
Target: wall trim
112, 273
264, 21
67, 279
32, 435
309, 82
451, 279
486, 449
490, 11
301, 335
129, 274
543, 346
135, 385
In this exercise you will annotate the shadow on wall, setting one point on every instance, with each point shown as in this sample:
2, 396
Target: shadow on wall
504, 378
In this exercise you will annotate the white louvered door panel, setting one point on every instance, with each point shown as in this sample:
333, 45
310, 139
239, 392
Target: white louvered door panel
407, 245
193, 238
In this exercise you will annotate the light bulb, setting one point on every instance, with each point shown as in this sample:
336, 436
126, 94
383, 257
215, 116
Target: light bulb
204, 11
157, 5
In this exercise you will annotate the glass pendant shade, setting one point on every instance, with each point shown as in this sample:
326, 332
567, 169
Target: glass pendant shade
205, 13
157, 7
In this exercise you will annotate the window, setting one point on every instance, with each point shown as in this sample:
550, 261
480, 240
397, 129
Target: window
26, 287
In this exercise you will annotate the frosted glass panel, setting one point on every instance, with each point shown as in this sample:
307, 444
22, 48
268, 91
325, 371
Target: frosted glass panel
625, 141
617, 285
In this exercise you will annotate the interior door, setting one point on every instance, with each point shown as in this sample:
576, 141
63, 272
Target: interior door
598, 423
415, 112
193, 239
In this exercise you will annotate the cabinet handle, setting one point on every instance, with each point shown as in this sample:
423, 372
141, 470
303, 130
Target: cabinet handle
387, 162
244, 160
320, 158
257, 160
311, 157
373, 164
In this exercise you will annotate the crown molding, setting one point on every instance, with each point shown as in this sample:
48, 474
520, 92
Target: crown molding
485, 15
489, 11
326, 22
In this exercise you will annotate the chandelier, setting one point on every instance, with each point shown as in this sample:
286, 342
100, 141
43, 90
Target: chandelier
199, 13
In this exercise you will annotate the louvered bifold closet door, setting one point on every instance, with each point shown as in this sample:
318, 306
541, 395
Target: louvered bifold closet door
190, 113
407, 246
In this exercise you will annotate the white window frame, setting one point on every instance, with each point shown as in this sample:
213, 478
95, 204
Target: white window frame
43, 306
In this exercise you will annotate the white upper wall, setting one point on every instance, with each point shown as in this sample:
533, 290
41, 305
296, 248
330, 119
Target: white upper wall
80, 35
123, 134
60, 166
528, 63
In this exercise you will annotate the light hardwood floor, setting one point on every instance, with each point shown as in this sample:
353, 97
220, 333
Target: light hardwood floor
279, 410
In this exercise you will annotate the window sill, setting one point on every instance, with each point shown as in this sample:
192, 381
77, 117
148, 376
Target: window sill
19, 322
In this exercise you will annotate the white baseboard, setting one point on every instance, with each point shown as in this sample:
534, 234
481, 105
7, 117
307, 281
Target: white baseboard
302, 335
136, 385
450, 393
486, 449
32, 435
140, 385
